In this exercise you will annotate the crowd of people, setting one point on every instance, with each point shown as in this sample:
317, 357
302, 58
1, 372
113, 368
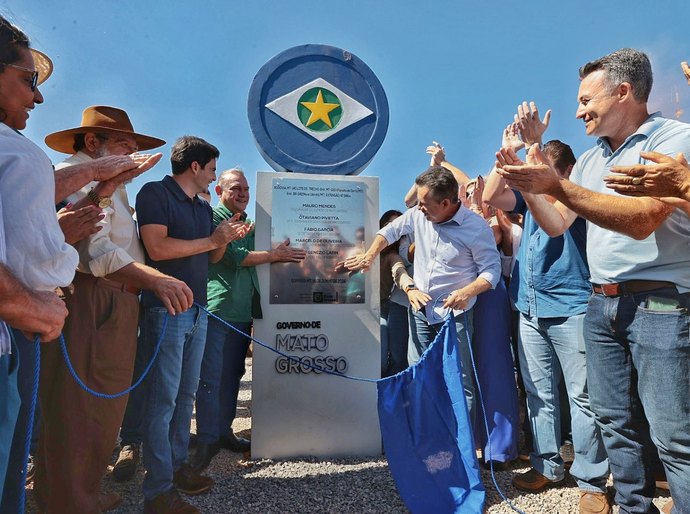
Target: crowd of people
580, 266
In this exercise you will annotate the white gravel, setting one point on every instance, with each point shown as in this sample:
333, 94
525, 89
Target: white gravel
358, 485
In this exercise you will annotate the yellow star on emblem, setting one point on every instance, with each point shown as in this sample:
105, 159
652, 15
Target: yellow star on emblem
319, 110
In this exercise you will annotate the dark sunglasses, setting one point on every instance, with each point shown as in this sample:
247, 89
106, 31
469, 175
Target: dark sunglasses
34, 74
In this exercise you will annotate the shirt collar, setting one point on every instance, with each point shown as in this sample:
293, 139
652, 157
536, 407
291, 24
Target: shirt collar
225, 212
176, 190
457, 217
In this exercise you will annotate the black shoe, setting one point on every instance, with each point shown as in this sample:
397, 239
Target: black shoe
189, 482
235, 444
126, 464
203, 456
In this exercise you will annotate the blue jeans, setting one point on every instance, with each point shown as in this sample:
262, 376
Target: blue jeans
170, 390
638, 366
549, 348
394, 336
422, 335
221, 371
25, 354
9, 408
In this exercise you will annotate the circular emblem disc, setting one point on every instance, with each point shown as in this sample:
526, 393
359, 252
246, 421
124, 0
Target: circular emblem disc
317, 109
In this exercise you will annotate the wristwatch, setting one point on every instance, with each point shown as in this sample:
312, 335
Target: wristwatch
409, 288
101, 201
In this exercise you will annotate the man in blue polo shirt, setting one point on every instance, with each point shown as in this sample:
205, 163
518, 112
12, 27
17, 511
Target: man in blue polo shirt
550, 288
179, 238
637, 322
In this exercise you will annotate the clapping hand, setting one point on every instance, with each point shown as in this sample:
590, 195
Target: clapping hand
531, 128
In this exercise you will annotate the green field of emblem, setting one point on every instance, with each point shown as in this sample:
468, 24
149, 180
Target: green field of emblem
319, 109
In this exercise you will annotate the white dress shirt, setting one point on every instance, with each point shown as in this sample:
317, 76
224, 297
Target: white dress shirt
448, 255
37, 253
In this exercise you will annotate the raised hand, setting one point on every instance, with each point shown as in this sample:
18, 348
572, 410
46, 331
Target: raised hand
531, 128
476, 201
511, 138
537, 176
507, 157
437, 152
111, 166
230, 230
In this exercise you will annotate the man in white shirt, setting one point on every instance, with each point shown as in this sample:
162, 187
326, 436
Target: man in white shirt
455, 260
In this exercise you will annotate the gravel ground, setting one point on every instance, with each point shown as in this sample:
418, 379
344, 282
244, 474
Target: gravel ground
358, 485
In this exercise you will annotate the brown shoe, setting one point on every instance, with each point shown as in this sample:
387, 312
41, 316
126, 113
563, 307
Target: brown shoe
190, 482
666, 509
169, 503
594, 503
126, 464
534, 482
108, 501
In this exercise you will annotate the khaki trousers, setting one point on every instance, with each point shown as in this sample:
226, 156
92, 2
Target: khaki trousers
79, 430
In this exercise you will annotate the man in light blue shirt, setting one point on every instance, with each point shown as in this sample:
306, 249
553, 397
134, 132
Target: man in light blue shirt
455, 260
637, 323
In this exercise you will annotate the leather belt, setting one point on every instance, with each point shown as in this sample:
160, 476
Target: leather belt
630, 287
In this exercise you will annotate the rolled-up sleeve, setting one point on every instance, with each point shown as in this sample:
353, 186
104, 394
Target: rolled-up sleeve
486, 257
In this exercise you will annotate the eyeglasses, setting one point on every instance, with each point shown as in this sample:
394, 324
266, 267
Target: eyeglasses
34, 74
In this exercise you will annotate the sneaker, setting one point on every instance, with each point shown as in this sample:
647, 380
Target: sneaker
190, 482
534, 482
126, 464
169, 503
594, 503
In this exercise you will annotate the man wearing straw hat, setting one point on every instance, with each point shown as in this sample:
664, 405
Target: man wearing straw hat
36, 253
80, 428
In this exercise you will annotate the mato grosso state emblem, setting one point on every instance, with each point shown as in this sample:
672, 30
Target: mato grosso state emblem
320, 109
317, 109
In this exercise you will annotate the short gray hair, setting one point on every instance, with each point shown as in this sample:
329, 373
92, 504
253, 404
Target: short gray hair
223, 178
624, 65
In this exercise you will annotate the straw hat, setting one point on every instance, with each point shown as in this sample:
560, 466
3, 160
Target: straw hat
42, 64
100, 119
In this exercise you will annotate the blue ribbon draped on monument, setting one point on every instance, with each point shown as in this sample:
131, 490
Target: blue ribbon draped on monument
427, 434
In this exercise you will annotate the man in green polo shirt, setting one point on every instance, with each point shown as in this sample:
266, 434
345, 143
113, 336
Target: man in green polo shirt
233, 295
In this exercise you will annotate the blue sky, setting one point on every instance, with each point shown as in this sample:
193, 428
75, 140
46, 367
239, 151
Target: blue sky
453, 71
